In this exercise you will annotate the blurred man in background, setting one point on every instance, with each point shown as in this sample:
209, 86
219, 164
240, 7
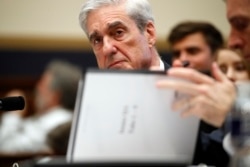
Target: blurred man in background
212, 98
54, 103
193, 44
238, 14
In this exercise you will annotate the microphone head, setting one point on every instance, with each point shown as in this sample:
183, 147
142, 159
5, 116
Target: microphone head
185, 63
12, 103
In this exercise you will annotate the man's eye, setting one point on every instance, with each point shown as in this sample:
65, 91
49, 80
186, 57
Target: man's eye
193, 51
240, 67
240, 24
119, 33
176, 54
223, 68
96, 41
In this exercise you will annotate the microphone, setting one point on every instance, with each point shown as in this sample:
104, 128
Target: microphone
185, 63
12, 103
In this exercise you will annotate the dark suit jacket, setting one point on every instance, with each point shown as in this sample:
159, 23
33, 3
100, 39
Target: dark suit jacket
209, 147
166, 65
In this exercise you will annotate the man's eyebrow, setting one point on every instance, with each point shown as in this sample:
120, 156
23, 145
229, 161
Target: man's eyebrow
114, 24
93, 35
231, 19
192, 47
238, 17
109, 26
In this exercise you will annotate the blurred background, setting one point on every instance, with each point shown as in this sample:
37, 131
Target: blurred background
34, 32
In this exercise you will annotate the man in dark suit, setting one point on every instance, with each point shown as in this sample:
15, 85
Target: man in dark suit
196, 43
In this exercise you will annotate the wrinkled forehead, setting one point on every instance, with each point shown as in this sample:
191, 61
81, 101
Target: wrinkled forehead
104, 13
238, 6
106, 17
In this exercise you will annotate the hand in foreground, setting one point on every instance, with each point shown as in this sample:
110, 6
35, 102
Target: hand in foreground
210, 99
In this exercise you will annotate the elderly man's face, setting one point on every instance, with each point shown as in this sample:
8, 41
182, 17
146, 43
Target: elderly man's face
238, 14
116, 40
45, 97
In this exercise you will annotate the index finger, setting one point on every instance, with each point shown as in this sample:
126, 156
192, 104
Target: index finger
179, 85
190, 75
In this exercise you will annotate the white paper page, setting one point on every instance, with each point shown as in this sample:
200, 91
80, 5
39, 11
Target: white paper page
124, 117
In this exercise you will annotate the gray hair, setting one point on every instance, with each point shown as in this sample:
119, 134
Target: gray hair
65, 80
138, 10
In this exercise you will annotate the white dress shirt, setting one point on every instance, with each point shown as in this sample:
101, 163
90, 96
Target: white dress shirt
29, 134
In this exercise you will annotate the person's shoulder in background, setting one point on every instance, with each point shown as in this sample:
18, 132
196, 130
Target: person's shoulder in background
57, 138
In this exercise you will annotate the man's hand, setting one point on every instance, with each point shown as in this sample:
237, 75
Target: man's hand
210, 99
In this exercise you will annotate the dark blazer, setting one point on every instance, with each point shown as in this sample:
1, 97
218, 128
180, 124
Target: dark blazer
209, 147
166, 65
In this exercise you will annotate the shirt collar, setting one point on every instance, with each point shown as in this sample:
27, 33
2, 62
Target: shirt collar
162, 67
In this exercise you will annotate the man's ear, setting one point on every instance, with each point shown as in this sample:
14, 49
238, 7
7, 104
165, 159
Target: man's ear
150, 33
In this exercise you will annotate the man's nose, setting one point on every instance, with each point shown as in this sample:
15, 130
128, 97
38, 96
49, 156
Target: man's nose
184, 59
231, 74
181, 61
108, 46
183, 56
235, 41
178, 63
185, 63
